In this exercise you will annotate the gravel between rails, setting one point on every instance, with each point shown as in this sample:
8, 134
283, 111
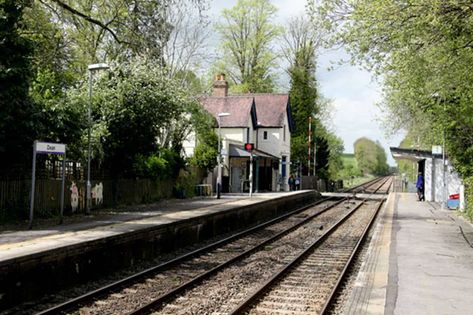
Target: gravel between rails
142, 292
307, 286
222, 292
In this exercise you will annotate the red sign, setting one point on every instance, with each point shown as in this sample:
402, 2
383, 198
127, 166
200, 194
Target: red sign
249, 146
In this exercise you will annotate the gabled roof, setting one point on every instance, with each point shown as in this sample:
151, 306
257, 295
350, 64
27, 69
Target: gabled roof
240, 108
265, 110
270, 109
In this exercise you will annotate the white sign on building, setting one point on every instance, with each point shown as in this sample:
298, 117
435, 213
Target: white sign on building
436, 149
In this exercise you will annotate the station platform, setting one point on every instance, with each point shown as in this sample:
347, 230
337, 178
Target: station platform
43, 237
420, 261
49, 257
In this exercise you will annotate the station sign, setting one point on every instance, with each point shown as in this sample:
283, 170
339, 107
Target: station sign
437, 149
47, 148
50, 148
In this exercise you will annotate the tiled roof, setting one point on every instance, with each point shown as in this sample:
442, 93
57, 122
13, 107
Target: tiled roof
270, 109
239, 108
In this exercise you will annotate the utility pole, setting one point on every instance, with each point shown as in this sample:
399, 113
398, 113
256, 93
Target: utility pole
310, 134
315, 157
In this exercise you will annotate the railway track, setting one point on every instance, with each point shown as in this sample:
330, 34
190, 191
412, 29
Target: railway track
181, 283
308, 283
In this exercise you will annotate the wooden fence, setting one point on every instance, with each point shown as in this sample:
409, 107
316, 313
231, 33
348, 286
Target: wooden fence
311, 182
15, 195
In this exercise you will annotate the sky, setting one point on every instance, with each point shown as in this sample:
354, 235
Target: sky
354, 92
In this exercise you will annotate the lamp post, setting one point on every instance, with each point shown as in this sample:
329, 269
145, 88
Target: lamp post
219, 162
444, 166
444, 184
92, 68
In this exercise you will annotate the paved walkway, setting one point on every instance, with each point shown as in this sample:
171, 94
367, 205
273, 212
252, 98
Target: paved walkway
420, 262
15, 244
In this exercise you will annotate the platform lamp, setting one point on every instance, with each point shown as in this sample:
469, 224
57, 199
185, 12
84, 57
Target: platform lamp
219, 167
92, 68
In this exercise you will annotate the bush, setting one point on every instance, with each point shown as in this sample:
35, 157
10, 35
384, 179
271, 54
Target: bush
151, 166
185, 185
468, 181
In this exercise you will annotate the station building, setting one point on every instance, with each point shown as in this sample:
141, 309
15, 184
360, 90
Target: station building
262, 119
438, 184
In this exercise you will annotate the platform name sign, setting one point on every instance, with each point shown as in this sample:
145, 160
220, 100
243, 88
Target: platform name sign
437, 149
50, 148
47, 148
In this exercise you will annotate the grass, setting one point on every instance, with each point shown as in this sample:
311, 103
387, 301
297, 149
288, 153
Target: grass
349, 159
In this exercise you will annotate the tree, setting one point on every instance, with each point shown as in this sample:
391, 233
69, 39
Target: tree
423, 52
118, 29
370, 157
69, 35
247, 33
205, 152
19, 117
140, 120
299, 50
186, 49
336, 151
301, 43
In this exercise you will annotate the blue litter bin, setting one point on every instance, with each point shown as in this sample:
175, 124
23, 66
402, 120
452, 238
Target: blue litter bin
453, 203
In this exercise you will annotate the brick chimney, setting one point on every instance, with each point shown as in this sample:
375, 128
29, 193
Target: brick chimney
220, 86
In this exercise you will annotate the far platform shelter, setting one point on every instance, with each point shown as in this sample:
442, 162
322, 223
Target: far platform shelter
439, 185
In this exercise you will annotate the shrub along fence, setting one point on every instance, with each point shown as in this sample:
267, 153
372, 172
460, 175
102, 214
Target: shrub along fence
15, 195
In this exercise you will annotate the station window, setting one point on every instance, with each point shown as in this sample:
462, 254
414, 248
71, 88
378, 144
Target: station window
265, 135
284, 133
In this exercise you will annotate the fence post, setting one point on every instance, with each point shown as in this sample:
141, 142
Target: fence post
33, 182
62, 187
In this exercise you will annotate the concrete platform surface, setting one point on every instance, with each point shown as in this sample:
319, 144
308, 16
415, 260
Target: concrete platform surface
419, 262
14, 244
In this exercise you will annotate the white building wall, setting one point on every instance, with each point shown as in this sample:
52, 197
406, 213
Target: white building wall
434, 180
453, 180
272, 144
233, 134
438, 180
189, 144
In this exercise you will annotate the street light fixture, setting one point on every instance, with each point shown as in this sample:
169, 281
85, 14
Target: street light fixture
219, 168
91, 68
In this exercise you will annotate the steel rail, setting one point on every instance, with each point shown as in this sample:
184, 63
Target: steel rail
244, 305
163, 266
362, 185
102, 291
386, 179
172, 293
350, 261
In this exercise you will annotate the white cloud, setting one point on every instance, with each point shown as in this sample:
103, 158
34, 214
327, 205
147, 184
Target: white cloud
354, 93
289, 8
